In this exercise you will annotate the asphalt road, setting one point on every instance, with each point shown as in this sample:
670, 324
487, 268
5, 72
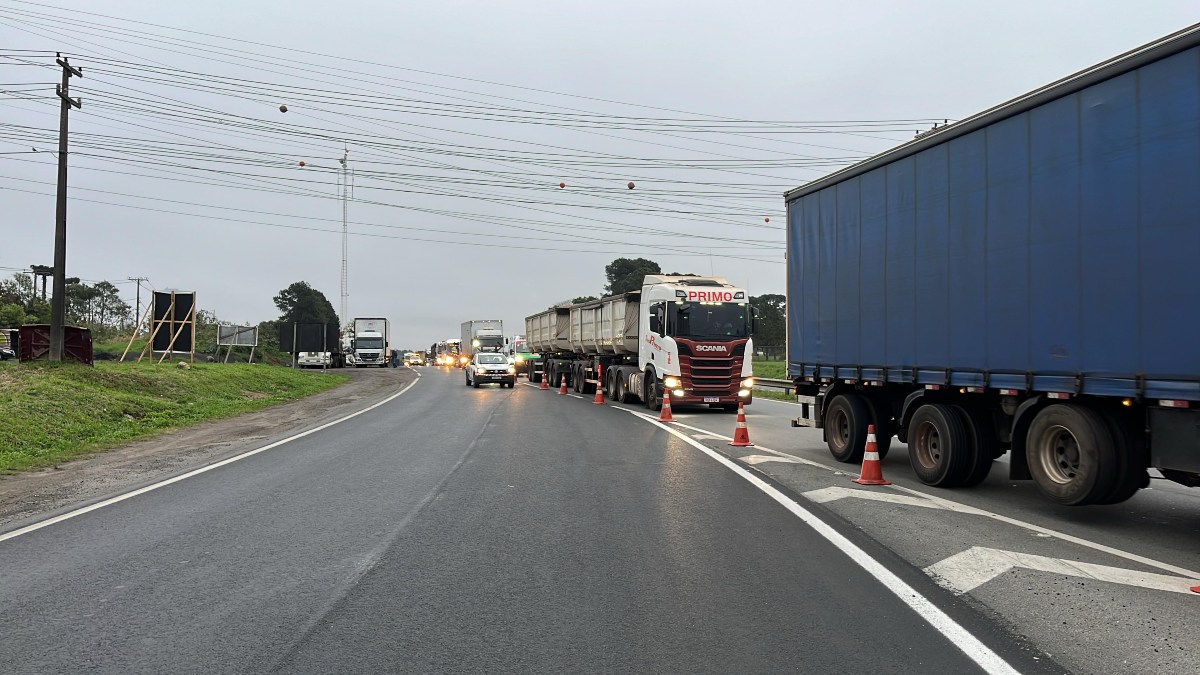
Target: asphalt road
1112, 592
489, 530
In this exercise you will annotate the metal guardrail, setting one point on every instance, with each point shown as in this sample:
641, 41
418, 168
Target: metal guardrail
769, 383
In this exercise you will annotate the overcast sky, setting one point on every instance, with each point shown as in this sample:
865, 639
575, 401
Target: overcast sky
461, 119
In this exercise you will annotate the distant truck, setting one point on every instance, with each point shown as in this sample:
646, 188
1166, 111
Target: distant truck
683, 337
520, 353
482, 335
372, 337
1022, 281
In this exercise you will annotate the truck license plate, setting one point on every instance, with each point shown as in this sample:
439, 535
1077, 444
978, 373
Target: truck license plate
712, 399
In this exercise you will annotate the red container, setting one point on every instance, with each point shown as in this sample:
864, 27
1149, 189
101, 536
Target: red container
35, 343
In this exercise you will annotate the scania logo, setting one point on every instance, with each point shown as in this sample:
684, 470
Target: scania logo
711, 348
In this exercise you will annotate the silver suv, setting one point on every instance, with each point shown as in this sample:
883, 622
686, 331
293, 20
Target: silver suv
490, 367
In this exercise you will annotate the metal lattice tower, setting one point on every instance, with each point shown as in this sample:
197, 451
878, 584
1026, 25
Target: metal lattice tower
345, 234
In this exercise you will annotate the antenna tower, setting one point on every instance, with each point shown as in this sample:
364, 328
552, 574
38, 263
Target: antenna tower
345, 180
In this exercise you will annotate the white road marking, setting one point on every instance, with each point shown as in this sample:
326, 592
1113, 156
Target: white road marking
196, 472
975, 650
959, 507
830, 494
574, 395
963, 572
708, 437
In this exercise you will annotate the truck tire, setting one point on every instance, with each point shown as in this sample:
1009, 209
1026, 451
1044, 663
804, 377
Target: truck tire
939, 448
1072, 455
619, 394
466, 379
475, 382
885, 428
1132, 462
846, 420
576, 381
652, 398
982, 435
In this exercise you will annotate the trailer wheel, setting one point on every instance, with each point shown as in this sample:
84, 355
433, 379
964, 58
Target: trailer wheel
619, 394
1132, 461
939, 447
982, 435
1071, 455
846, 421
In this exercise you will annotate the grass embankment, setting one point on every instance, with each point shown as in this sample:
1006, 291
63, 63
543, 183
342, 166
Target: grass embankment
52, 412
774, 370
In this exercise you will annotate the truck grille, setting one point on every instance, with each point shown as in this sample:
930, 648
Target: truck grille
715, 374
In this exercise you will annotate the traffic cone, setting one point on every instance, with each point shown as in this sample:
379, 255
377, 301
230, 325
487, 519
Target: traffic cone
562, 388
872, 470
665, 415
741, 437
599, 400
545, 381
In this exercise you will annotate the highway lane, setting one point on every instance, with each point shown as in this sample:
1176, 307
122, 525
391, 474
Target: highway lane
1098, 625
464, 530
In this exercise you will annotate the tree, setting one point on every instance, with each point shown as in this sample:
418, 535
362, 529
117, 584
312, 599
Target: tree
626, 274
583, 298
301, 303
11, 315
772, 319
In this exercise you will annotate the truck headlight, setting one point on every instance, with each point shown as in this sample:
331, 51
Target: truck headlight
671, 382
744, 393
748, 383
520, 359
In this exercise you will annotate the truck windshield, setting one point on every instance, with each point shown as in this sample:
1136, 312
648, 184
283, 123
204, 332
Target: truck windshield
519, 347
710, 321
369, 343
490, 343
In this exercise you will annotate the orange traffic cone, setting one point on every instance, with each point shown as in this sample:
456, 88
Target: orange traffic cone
741, 437
599, 400
545, 381
872, 470
665, 415
562, 388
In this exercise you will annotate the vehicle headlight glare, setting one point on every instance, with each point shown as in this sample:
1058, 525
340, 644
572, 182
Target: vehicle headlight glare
748, 383
671, 382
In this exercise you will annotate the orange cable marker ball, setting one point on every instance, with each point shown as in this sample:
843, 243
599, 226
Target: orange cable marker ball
766, 220
562, 185
301, 163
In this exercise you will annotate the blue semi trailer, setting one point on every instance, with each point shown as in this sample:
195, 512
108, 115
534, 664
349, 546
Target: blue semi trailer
1026, 280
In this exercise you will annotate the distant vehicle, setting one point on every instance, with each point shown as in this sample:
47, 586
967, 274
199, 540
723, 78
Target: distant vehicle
414, 359
6, 354
487, 367
683, 337
482, 335
314, 360
1019, 282
521, 355
371, 337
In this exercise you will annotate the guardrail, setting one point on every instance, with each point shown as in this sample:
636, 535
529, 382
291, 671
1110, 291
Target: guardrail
769, 383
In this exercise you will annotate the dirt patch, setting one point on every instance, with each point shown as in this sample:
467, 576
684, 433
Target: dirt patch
28, 497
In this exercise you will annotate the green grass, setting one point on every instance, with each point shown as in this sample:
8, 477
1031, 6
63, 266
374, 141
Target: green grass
774, 370
775, 394
52, 412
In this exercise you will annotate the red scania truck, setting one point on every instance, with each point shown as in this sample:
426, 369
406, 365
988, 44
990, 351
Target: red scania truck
686, 337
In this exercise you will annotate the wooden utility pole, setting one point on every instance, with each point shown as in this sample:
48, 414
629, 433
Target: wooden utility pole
58, 302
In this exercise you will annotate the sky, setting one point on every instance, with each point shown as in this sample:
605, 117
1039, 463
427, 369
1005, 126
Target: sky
460, 121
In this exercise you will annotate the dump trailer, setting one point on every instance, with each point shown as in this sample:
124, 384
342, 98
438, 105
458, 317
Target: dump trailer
686, 337
1021, 281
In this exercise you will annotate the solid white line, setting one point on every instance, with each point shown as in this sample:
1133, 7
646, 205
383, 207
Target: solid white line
574, 395
196, 472
960, 637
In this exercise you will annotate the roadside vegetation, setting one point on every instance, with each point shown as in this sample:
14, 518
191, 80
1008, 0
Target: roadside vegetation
50, 413
772, 370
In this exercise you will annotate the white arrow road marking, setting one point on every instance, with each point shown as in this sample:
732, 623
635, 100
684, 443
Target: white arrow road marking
830, 494
759, 459
708, 437
975, 566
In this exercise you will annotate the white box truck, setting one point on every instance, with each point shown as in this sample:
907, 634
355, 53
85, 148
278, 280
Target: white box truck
372, 338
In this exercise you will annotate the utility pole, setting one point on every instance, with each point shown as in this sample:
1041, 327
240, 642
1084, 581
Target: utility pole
58, 302
137, 308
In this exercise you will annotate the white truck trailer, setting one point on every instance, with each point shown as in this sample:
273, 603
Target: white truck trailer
371, 341
482, 335
686, 337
